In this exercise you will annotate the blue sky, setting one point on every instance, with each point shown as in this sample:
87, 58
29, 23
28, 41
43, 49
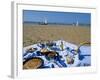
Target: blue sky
56, 17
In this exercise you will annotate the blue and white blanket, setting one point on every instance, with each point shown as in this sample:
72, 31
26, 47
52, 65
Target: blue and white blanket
81, 59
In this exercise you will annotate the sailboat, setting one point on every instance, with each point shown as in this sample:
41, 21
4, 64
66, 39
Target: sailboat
77, 23
45, 21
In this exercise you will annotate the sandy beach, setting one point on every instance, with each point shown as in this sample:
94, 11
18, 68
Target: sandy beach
73, 34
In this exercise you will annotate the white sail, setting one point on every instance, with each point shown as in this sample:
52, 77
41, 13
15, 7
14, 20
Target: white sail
77, 23
45, 21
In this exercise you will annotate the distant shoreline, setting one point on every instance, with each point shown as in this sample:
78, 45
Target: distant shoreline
40, 23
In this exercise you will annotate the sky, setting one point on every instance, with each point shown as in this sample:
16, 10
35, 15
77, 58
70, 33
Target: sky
56, 17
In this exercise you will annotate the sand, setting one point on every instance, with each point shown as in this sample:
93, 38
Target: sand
73, 34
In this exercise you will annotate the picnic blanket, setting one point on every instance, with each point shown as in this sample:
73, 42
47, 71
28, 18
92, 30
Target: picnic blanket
80, 59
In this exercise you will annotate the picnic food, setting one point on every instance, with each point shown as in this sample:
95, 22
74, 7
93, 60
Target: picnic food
70, 59
48, 53
31, 49
52, 54
33, 63
44, 50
